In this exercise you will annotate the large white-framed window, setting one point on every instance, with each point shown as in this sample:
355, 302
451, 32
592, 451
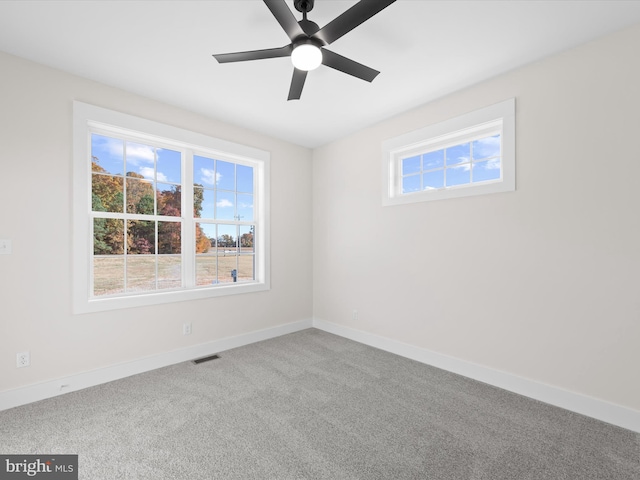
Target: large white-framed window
472, 154
162, 214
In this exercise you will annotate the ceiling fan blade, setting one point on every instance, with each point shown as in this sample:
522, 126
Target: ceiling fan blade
359, 13
346, 65
254, 54
297, 82
285, 18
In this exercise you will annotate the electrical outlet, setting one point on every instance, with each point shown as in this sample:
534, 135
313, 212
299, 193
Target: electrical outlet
186, 329
354, 315
23, 359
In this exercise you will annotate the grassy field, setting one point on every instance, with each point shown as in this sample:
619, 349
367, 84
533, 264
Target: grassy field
109, 272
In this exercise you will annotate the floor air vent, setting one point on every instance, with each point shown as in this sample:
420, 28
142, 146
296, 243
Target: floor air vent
204, 359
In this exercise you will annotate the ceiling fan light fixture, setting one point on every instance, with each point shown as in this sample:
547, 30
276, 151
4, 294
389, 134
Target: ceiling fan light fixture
306, 57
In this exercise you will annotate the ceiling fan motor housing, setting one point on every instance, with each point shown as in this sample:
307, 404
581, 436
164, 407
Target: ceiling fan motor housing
304, 6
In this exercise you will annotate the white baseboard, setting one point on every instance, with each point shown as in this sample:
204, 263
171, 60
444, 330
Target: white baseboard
592, 407
52, 388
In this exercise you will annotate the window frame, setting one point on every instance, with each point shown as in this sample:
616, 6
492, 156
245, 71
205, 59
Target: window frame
88, 119
498, 118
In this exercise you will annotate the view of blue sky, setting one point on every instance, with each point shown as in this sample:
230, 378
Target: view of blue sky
465, 163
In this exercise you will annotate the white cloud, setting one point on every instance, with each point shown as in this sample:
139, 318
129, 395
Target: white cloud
137, 154
465, 167
224, 203
486, 147
147, 172
113, 146
209, 177
493, 164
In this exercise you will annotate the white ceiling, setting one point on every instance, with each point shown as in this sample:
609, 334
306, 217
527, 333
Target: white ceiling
424, 49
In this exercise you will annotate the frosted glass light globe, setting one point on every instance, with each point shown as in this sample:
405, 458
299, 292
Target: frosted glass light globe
306, 57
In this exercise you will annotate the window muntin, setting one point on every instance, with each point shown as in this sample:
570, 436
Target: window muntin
467, 155
137, 237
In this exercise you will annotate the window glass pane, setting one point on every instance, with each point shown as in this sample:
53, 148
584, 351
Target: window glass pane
246, 238
227, 239
140, 197
168, 166
410, 165
226, 175
169, 271
169, 238
246, 260
141, 273
141, 264
227, 266
245, 207
206, 259
140, 160
227, 253
458, 175
244, 178
107, 155
225, 205
458, 154
203, 203
141, 237
486, 170
203, 172
486, 147
107, 193
108, 274
434, 179
169, 200
411, 184
433, 160
108, 236
205, 238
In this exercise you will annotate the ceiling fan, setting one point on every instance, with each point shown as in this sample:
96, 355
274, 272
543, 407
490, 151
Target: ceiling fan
308, 41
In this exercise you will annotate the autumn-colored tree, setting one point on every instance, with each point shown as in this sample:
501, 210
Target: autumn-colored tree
108, 189
106, 196
140, 195
141, 235
203, 243
169, 238
169, 201
246, 239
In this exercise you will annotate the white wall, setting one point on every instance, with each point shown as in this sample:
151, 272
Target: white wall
541, 283
35, 213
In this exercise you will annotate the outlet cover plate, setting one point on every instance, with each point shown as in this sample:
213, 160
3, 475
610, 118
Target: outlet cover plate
23, 359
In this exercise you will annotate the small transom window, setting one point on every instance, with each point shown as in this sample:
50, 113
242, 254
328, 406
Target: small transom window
468, 155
